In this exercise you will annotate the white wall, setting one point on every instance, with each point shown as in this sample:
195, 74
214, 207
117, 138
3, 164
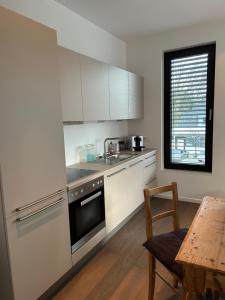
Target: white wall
145, 57
78, 34
90, 133
73, 31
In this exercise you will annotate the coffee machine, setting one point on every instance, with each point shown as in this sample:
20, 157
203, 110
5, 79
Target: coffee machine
135, 142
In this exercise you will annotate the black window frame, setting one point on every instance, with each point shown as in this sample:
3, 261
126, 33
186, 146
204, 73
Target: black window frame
168, 56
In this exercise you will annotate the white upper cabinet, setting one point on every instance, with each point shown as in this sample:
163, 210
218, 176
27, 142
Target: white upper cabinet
135, 96
70, 84
95, 89
118, 87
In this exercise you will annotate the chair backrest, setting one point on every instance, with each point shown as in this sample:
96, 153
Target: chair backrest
148, 194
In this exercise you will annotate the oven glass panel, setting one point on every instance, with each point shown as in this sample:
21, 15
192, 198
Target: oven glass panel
85, 214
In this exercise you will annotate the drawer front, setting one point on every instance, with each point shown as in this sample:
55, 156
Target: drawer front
149, 159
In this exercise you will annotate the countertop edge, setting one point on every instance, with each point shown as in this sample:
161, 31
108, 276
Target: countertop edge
102, 169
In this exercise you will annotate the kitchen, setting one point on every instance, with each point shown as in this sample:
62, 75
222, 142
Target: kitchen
48, 60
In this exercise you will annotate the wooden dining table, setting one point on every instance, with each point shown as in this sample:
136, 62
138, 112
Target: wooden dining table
202, 252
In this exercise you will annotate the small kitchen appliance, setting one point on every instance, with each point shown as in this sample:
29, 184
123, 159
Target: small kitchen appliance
135, 142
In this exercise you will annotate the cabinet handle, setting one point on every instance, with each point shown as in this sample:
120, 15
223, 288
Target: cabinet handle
150, 156
59, 192
117, 172
152, 163
138, 162
39, 210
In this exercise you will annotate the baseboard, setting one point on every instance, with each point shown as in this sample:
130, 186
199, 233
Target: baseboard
183, 199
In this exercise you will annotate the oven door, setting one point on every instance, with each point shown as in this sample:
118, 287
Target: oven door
87, 217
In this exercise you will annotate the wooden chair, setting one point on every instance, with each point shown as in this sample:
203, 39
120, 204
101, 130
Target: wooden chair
163, 247
215, 283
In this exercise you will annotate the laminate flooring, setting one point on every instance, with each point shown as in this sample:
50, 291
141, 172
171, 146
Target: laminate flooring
119, 271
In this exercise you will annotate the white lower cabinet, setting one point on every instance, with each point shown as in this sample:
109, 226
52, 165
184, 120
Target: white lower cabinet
149, 171
135, 179
116, 198
39, 250
124, 188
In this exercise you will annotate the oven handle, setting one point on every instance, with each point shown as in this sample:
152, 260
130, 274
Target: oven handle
91, 198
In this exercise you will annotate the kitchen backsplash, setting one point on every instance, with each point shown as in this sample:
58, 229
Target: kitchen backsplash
90, 133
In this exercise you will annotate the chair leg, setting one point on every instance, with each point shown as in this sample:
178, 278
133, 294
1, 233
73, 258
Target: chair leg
151, 277
216, 295
184, 295
208, 293
175, 282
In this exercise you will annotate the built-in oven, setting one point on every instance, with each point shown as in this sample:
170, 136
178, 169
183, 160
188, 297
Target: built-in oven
86, 212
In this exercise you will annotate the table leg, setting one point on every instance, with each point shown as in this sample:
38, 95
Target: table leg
193, 283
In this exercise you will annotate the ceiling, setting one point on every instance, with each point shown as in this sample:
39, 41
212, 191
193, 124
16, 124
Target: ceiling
127, 18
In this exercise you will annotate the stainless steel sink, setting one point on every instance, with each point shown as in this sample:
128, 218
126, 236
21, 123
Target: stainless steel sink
113, 159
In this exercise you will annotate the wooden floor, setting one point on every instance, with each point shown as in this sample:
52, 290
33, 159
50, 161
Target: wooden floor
119, 271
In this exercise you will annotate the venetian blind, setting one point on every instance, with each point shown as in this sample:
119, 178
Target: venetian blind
188, 108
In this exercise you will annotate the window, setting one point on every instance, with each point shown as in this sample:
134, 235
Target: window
188, 108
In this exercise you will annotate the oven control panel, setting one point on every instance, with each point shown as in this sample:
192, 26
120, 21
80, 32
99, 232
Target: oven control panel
85, 189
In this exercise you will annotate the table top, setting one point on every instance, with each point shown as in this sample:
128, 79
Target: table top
204, 244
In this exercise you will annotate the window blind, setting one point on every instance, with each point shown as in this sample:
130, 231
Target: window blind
188, 108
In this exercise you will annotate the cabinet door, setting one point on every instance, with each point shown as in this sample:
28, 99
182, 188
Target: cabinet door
135, 96
116, 204
70, 84
39, 250
135, 179
95, 89
118, 88
149, 171
31, 149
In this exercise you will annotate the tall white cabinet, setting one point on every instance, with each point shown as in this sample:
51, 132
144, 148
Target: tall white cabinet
33, 202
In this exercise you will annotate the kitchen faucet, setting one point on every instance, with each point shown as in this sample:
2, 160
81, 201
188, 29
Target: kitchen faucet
106, 153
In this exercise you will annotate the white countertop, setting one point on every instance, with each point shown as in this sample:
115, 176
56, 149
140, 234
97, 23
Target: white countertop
102, 168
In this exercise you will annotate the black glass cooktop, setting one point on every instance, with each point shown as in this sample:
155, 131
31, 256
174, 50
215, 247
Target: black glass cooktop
73, 174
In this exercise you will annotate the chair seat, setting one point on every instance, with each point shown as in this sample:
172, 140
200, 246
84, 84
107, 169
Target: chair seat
165, 247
